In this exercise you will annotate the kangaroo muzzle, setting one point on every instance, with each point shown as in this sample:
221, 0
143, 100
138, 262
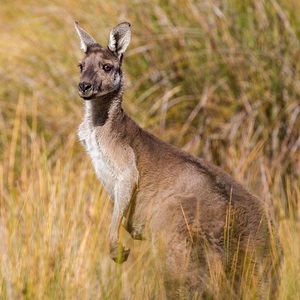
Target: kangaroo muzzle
85, 89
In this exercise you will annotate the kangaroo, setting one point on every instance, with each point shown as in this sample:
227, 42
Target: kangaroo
198, 217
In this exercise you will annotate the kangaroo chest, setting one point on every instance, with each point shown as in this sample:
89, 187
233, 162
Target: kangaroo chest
101, 160
113, 162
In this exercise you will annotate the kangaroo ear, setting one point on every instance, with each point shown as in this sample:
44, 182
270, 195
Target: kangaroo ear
119, 38
85, 39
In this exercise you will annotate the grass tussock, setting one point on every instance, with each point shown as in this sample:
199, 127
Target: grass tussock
220, 79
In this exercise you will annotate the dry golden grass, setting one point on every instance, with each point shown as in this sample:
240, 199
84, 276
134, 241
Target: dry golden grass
220, 80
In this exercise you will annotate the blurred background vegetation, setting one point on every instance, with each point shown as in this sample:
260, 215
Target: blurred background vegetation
219, 78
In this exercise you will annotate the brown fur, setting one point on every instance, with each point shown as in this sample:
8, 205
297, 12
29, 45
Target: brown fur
203, 224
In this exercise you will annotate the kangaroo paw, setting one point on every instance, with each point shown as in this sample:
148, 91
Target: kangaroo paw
119, 254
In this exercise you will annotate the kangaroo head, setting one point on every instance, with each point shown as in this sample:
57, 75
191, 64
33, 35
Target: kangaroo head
100, 70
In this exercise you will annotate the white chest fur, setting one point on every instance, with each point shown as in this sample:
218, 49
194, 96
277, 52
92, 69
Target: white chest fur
113, 161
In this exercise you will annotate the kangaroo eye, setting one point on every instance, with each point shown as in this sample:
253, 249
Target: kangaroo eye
107, 67
80, 65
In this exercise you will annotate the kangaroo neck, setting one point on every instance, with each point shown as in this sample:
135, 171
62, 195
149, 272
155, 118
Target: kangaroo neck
105, 108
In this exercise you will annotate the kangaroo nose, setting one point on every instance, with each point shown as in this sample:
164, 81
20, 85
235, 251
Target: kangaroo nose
84, 87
